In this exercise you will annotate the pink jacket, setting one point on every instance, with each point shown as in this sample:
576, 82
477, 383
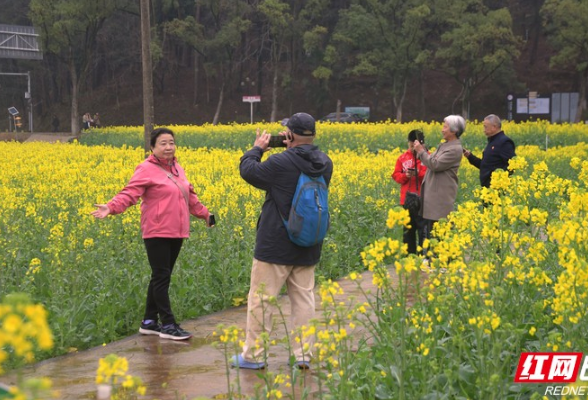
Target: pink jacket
164, 212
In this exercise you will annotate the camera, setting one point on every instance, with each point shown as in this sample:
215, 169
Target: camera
211, 220
277, 141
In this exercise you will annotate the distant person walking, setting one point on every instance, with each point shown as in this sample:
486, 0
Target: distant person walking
499, 150
168, 199
86, 121
96, 120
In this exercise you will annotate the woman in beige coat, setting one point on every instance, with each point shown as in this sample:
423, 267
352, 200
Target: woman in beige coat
439, 188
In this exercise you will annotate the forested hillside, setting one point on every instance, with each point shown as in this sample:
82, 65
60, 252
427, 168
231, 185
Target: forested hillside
405, 59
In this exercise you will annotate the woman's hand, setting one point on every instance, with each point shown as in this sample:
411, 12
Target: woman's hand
101, 212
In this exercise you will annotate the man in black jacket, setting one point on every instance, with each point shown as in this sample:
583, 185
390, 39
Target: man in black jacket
277, 260
499, 150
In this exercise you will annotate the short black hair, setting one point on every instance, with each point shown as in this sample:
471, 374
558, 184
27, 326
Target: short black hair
160, 131
416, 134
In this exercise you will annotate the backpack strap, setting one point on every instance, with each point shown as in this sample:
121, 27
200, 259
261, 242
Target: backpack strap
289, 155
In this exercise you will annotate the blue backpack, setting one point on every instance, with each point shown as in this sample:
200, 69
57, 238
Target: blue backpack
308, 221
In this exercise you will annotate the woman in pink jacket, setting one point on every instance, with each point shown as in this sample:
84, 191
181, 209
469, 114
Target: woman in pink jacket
168, 199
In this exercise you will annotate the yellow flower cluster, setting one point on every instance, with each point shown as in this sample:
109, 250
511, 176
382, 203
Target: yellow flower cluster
112, 370
488, 322
230, 334
23, 328
33, 388
328, 290
398, 216
374, 254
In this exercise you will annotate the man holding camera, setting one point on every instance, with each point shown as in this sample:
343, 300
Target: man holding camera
499, 150
277, 260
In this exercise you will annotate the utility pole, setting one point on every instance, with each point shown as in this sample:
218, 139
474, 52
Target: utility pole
148, 110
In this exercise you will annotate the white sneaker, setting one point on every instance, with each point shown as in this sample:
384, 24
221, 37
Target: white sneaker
426, 266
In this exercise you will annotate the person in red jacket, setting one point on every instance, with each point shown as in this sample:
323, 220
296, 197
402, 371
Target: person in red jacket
409, 172
168, 199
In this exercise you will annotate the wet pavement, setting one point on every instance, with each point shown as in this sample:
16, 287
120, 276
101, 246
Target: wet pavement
177, 370
50, 137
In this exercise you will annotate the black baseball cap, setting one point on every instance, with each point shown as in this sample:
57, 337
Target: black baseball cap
301, 124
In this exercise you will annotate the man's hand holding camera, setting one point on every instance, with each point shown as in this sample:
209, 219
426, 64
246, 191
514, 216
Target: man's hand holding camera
288, 138
265, 140
262, 140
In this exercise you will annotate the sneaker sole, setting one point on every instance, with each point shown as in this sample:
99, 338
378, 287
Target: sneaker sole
302, 366
148, 332
242, 364
172, 337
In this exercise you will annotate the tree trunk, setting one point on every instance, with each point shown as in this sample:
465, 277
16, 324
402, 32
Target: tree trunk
219, 105
275, 95
196, 59
75, 116
465, 103
582, 96
398, 103
196, 76
422, 103
465, 106
399, 112
148, 110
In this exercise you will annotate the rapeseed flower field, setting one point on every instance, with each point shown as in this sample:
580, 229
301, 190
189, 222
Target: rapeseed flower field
508, 268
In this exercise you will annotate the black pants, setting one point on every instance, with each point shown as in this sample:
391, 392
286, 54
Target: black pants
162, 254
416, 232
427, 228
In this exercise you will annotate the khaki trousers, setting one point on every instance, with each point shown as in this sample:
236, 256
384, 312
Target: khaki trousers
266, 281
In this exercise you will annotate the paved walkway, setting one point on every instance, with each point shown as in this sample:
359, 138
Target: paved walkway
174, 370
50, 137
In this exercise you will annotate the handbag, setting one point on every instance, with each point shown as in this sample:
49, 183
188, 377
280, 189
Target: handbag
412, 200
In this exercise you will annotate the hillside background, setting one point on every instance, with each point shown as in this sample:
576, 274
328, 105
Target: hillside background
201, 47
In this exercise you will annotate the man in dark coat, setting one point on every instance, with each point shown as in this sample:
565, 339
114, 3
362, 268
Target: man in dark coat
277, 260
499, 150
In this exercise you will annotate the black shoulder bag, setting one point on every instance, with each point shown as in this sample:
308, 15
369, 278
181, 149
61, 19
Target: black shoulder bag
412, 200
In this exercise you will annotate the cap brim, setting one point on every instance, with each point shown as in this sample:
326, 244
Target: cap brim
285, 121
